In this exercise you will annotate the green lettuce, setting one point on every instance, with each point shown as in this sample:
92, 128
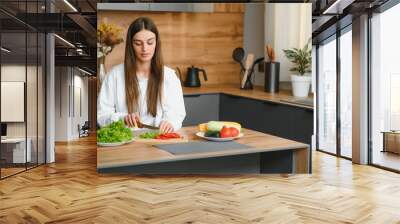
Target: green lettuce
114, 132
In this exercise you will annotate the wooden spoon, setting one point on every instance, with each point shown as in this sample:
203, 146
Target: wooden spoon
249, 62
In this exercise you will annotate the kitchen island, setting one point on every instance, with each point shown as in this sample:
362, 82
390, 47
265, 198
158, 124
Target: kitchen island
261, 153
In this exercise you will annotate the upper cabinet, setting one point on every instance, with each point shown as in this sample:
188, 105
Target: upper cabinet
123, 6
228, 7
173, 7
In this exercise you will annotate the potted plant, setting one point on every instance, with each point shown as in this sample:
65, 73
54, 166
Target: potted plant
108, 36
271, 83
301, 58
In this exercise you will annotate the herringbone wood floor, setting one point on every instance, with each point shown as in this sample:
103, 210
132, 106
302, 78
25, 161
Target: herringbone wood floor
70, 191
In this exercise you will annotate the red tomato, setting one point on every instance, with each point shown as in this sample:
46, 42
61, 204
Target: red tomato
168, 136
225, 132
234, 132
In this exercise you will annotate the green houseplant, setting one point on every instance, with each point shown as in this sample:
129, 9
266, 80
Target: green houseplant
301, 59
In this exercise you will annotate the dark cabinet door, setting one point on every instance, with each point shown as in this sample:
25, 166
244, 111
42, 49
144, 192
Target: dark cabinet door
302, 124
273, 119
289, 122
201, 108
242, 110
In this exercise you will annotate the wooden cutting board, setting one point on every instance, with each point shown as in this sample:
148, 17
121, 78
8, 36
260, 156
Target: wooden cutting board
161, 141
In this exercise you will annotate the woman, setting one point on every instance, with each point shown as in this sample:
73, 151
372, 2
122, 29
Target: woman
142, 89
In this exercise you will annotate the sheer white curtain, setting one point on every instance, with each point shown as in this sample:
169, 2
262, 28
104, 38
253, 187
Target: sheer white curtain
385, 74
287, 26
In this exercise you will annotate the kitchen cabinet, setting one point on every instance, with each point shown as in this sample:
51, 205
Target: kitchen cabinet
124, 6
302, 125
175, 7
274, 118
201, 108
282, 120
241, 110
160, 7
182, 7
277, 119
171, 7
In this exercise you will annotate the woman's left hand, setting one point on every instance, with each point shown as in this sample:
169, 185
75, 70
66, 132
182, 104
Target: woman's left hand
166, 127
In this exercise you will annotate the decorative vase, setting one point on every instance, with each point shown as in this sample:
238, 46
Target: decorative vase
271, 83
301, 85
102, 70
102, 73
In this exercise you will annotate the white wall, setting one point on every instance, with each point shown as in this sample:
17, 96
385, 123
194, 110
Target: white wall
80, 83
62, 81
17, 73
68, 82
253, 36
286, 26
34, 125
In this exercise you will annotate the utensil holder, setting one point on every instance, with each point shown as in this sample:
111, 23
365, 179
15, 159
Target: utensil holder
271, 84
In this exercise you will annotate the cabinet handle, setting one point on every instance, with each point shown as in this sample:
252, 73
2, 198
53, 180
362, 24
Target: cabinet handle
193, 95
271, 103
233, 96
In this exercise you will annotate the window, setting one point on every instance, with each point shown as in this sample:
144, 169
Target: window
385, 85
334, 106
22, 75
346, 93
327, 96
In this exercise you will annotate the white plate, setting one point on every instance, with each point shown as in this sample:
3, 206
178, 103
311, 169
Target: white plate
201, 135
110, 144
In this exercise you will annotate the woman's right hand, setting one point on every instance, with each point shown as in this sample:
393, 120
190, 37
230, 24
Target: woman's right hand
132, 120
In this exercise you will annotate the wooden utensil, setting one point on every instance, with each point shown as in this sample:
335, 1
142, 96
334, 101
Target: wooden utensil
249, 62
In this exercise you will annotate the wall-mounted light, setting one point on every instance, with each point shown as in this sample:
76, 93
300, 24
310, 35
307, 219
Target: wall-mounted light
5, 50
84, 71
70, 5
79, 51
337, 7
65, 41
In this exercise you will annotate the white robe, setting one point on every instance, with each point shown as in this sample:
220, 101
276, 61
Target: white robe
111, 103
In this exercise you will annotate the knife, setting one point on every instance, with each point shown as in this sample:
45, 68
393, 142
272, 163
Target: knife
141, 125
149, 126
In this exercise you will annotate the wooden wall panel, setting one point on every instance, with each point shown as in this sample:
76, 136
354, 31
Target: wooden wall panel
205, 40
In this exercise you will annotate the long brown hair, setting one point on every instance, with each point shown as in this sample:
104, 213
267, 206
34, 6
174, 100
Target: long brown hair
156, 77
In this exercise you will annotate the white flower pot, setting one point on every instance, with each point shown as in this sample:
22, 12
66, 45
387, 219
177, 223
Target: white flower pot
301, 85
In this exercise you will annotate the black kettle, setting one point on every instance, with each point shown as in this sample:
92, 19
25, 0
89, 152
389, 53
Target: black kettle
192, 77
